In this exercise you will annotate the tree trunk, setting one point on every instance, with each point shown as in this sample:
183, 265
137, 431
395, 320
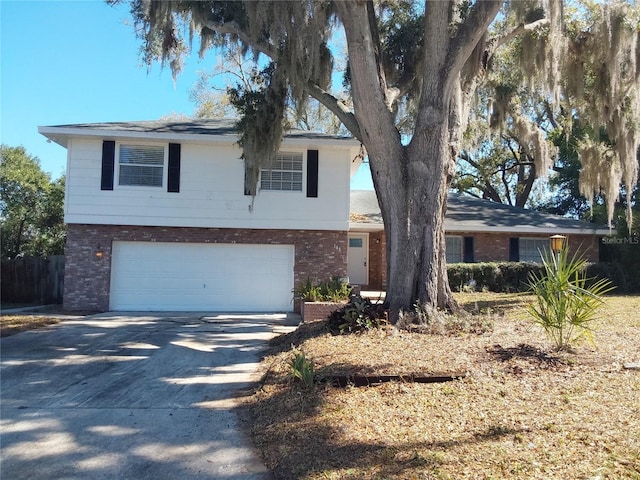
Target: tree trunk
413, 206
412, 181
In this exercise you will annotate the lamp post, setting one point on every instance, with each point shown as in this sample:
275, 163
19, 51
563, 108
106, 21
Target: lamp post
557, 244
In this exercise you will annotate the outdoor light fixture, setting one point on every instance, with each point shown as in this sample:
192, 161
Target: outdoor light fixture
99, 254
557, 243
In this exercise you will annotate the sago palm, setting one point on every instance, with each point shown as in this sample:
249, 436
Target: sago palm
566, 299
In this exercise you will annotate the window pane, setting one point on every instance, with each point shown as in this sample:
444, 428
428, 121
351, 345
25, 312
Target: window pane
141, 165
453, 249
140, 175
142, 154
530, 249
284, 174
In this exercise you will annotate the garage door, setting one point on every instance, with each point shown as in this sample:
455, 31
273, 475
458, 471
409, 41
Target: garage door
215, 277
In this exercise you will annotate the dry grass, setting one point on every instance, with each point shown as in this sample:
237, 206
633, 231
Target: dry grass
12, 324
523, 411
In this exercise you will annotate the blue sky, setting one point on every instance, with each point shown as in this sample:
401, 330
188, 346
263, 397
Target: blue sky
77, 61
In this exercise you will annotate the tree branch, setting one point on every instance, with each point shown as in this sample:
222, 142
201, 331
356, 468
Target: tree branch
519, 30
232, 28
336, 107
466, 156
471, 31
491, 193
507, 190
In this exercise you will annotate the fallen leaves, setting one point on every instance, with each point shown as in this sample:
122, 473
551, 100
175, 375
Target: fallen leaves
522, 411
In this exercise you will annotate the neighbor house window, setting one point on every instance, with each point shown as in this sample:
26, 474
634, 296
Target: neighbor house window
530, 249
454, 249
284, 174
141, 165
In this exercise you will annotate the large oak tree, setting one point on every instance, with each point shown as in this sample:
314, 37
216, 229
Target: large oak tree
422, 59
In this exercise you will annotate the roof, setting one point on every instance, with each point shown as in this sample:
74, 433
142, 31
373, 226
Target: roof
469, 214
208, 130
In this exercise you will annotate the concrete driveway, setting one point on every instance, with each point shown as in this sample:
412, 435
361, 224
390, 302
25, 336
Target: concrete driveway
132, 396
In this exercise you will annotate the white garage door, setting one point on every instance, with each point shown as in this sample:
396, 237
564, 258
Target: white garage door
159, 276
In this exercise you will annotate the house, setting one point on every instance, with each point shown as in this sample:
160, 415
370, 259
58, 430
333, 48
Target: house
158, 218
476, 231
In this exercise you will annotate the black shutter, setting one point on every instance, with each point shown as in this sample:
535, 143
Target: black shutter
468, 250
514, 249
108, 164
173, 171
312, 173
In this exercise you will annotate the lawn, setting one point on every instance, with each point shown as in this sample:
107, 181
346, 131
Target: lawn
521, 410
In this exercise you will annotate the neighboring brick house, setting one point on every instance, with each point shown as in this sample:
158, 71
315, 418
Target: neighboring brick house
158, 218
476, 231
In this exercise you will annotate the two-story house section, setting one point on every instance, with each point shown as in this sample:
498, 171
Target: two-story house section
158, 218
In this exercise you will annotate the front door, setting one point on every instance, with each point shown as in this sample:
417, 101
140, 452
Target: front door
357, 258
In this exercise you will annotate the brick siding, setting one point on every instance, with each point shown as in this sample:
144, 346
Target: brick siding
488, 247
318, 254
318, 310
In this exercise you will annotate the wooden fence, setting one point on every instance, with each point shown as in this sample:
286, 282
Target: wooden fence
34, 280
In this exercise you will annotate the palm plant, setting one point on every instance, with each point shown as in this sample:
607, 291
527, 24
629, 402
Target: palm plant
566, 299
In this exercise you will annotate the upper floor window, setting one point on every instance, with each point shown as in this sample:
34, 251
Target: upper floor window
453, 249
284, 174
141, 165
530, 249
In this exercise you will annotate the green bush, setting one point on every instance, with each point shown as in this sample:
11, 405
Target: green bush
494, 277
621, 264
566, 298
507, 277
356, 316
618, 275
331, 290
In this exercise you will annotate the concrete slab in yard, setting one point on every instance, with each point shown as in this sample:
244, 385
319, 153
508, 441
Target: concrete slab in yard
132, 396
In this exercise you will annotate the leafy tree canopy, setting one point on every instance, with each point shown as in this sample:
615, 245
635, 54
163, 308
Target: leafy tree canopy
31, 206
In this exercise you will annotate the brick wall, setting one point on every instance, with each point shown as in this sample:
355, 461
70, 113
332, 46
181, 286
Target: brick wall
318, 254
492, 247
488, 247
318, 310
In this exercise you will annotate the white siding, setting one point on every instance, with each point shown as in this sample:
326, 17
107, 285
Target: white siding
211, 193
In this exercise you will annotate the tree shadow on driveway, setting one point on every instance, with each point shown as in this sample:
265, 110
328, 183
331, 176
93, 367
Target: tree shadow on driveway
123, 396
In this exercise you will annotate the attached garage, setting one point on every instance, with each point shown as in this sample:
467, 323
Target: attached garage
159, 276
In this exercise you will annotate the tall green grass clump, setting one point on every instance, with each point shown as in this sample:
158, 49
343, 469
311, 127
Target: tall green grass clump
302, 368
566, 299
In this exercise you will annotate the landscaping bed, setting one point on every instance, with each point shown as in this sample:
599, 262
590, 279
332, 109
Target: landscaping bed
521, 409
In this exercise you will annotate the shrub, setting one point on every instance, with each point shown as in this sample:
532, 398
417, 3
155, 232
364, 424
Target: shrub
566, 299
621, 263
508, 277
356, 316
625, 276
493, 276
331, 290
